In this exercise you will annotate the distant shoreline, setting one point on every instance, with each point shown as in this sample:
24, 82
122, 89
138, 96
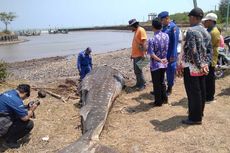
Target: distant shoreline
12, 42
147, 27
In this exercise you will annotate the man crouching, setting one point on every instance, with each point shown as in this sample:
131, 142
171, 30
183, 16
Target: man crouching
15, 120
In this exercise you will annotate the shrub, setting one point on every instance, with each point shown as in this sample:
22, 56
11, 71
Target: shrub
3, 70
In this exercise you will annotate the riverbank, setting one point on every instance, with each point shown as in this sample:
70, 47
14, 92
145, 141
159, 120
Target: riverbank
12, 42
132, 126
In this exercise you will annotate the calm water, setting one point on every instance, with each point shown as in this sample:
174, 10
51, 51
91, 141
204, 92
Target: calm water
49, 45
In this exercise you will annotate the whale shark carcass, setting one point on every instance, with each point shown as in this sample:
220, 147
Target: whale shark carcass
98, 91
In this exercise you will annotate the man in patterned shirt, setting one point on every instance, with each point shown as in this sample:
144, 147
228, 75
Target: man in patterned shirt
197, 45
157, 49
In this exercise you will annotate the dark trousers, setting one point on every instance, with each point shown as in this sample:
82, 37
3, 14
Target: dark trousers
84, 71
196, 93
138, 72
158, 77
210, 84
18, 130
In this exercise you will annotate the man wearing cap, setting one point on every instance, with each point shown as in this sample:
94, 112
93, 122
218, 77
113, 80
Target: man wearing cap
138, 51
84, 62
172, 30
15, 120
196, 49
210, 23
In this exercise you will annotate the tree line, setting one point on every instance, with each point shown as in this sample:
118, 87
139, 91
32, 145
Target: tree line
221, 12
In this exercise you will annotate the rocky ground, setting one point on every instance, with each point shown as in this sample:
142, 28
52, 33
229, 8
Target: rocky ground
132, 126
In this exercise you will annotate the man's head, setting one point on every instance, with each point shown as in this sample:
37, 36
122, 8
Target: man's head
209, 20
88, 50
195, 16
24, 91
164, 18
133, 23
156, 24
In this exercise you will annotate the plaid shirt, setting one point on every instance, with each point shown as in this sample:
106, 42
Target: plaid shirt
198, 47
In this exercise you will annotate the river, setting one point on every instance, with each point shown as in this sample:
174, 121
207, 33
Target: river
50, 45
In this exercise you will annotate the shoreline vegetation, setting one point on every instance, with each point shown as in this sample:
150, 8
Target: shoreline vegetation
7, 38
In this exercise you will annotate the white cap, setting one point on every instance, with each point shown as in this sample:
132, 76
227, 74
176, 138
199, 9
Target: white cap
210, 16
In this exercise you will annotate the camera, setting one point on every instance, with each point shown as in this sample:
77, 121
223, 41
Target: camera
30, 104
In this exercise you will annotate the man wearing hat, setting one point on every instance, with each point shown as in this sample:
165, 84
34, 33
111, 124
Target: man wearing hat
138, 51
196, 49
209, 22
84, 62
172, 30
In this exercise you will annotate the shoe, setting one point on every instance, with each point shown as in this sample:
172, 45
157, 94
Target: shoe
169, 91
153, 104
189, 122
152, 93
11, 145
210, 101
165, 101
141, 88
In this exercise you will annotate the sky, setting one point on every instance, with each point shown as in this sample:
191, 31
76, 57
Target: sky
87, 13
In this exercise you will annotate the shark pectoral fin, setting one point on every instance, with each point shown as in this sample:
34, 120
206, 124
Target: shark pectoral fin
84, 112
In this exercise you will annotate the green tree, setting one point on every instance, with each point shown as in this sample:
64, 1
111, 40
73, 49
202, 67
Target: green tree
7, 18
180, 18
223, 10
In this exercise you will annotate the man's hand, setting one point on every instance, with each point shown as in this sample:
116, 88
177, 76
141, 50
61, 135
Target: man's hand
180, 70
164, 61
205, 69
30, 113
131, 58
33, 107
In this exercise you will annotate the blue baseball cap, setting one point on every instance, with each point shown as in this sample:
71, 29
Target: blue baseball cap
163, 14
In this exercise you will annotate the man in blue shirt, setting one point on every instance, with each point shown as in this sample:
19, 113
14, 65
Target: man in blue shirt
15, 120
84, 62
172, 30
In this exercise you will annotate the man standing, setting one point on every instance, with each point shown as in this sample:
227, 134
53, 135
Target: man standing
15, 120
210, 23
84, 62
138, 51
196, 49
157, 49
172, 30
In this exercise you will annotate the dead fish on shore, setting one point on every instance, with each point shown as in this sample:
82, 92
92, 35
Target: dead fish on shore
98, 92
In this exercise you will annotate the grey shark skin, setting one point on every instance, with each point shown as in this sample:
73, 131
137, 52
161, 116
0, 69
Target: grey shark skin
98, 91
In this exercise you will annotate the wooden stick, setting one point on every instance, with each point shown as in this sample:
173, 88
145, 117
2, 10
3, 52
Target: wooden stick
55, 95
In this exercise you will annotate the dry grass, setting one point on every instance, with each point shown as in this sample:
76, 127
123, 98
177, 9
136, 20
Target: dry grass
133, 126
